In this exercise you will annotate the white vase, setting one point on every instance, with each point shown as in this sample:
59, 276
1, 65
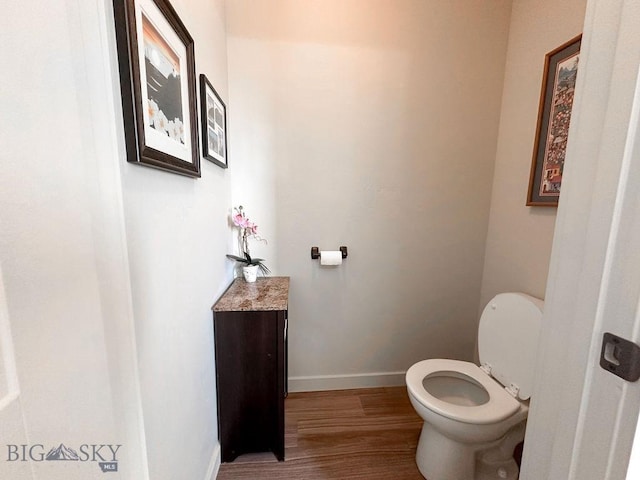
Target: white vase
250, 273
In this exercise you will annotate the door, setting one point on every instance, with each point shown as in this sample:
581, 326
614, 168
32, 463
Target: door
610, 405
583, 418
11, 414
633, 472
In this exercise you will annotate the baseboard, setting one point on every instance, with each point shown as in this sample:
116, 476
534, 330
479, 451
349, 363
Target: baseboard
214, 464
343, 382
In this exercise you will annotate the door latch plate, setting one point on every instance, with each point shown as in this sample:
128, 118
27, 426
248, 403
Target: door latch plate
620, 357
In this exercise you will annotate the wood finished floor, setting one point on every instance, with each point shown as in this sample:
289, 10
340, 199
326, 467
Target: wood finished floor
347, 434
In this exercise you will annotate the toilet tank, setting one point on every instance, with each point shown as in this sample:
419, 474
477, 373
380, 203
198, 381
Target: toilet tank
508, 339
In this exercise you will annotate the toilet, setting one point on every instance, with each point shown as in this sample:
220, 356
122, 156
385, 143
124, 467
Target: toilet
475, 416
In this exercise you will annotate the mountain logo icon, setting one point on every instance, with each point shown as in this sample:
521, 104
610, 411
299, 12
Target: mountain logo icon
62, 453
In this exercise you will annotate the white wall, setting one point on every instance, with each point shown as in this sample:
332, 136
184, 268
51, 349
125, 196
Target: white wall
177, 236
63, 259
110, 269
519, 237
379, 120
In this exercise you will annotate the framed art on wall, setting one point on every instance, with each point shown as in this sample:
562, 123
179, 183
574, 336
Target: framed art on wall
214, 124
157, 81
552, 132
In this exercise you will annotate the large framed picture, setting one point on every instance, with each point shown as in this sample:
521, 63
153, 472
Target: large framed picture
552, 132
157, 82
214, 124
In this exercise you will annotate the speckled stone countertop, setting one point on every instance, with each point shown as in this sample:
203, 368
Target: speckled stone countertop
267, 293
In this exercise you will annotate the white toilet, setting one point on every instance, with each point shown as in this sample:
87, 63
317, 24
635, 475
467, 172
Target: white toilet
475, 416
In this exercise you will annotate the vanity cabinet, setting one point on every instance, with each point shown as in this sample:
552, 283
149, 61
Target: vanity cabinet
250, 323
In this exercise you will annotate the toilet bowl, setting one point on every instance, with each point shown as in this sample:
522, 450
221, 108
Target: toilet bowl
475, 416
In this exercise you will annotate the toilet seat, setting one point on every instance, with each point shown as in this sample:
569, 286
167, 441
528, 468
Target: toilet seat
500, 405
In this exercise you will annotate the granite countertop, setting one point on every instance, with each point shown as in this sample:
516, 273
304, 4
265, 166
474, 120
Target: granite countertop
267, 293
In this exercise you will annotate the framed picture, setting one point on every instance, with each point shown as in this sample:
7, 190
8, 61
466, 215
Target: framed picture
158, 87
214, 124
554, 115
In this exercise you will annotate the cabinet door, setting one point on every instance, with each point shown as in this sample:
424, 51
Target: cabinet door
247, 374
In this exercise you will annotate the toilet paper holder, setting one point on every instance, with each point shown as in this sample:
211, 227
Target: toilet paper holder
315, 252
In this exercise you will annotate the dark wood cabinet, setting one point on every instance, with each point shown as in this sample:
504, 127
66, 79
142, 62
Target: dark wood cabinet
250, 329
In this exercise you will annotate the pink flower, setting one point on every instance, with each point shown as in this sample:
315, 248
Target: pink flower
247, 229
239, 220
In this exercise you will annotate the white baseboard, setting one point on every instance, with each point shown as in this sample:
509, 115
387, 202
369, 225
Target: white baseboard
214, 464
343, 382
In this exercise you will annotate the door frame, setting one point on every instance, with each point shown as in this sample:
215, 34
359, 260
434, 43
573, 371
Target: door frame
582, 419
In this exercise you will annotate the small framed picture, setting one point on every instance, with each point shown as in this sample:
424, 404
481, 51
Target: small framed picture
552, 132
214, 124
158, 86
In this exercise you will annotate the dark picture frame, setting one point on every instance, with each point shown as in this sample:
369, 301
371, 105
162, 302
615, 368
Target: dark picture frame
156, 60
213, 124
554, 115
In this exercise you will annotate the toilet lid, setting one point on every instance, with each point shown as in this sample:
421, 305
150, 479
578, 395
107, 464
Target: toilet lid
508, 339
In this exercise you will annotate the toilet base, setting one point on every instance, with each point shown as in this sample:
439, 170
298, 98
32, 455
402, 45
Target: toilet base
441, 458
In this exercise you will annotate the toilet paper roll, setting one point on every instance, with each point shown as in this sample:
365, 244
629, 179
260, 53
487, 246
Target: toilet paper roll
330, 257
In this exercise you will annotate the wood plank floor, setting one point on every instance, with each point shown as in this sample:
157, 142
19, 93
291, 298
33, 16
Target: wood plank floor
367, 434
